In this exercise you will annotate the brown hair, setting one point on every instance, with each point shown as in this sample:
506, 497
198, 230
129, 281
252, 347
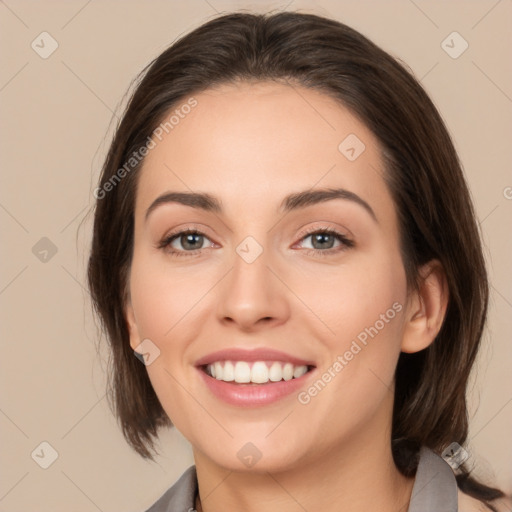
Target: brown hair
423, 173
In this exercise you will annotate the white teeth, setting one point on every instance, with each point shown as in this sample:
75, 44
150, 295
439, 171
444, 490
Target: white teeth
276, 372
288, 371
259, 373
299, 371
229, 372
242, 372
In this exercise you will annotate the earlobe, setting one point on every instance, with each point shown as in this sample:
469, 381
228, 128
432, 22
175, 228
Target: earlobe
426, 309
132, 325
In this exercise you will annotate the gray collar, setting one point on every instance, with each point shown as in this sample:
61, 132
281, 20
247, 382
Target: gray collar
435, 488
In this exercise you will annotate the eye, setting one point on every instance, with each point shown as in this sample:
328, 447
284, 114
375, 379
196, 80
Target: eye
184, 243
323, 241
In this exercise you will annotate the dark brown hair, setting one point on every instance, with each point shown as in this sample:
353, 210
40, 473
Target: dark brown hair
422, 171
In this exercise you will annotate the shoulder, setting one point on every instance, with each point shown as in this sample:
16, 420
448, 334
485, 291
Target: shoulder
469, 504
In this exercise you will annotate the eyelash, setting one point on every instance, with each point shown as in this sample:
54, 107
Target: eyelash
346, 243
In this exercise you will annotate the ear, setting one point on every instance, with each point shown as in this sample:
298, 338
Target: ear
426, 308
135, 339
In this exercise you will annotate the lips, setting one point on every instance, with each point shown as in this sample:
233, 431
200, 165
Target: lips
249, 384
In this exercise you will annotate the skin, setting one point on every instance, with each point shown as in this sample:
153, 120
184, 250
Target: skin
250, 145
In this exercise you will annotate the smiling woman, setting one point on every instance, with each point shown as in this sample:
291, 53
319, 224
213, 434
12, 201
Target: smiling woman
305, 231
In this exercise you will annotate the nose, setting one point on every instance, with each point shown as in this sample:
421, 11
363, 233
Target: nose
252, 296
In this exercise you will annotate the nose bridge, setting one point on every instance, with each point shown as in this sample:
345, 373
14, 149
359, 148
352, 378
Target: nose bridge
251, 292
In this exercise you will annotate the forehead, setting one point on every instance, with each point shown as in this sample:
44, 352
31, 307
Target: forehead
247, 141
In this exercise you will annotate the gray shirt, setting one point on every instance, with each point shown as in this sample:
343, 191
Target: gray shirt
435, 488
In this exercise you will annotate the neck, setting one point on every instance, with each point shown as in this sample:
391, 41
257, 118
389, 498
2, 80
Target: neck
353, 477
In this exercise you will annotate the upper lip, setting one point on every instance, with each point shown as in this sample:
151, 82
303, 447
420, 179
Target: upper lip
259, 354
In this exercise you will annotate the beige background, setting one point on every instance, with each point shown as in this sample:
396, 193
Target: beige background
56, 126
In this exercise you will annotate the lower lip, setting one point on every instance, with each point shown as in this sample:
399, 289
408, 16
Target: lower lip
252, 395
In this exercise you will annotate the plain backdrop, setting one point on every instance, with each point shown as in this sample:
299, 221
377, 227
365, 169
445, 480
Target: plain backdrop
56, 122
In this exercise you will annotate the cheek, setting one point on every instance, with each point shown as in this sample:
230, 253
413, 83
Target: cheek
171, 307
166, 307
354, 388
363, 307
351, 300
165, 301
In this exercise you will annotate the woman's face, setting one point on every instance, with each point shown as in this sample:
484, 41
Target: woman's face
260, 276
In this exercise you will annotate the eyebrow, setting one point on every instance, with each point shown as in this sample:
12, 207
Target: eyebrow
296, 201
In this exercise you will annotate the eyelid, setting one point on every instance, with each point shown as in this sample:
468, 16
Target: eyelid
342, 233
184, 228
166, 240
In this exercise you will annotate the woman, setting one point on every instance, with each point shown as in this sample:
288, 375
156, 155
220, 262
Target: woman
284, 237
